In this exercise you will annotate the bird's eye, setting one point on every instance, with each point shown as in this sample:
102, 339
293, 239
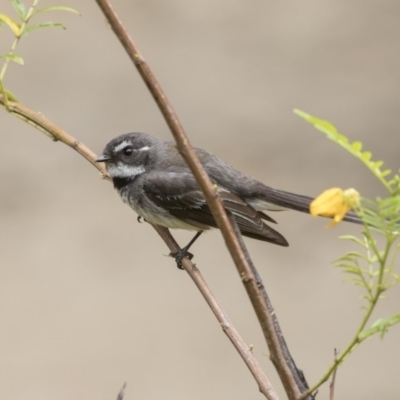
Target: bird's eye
128, 151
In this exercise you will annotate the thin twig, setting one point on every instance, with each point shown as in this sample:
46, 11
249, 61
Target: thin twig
46, 126
121, 393
333, 381
293, 386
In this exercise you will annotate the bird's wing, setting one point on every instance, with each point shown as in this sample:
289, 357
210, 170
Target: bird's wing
179, 194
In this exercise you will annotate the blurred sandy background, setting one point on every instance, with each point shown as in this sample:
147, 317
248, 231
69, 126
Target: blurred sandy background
88, 299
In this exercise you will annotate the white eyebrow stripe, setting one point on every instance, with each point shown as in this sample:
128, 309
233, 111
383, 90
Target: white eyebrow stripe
122, 145
124, 171
145, 148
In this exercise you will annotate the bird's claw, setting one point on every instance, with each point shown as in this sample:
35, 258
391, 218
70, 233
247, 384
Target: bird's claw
179, 255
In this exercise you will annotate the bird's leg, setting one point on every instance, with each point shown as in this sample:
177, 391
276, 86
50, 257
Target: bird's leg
183, 252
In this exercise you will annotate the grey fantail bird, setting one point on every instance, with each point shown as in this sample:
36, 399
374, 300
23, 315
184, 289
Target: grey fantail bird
151, 176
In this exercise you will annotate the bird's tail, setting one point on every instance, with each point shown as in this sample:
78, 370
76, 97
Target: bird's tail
299, 202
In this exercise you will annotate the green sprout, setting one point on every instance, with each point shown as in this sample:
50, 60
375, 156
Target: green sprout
372, 265
22, 28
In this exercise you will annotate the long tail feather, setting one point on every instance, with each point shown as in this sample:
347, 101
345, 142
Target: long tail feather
301, 203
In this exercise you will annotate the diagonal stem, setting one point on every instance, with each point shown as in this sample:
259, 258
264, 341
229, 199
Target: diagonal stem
280, 355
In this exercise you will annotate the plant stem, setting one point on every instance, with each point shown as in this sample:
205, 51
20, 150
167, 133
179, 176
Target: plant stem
12, 51
373, 301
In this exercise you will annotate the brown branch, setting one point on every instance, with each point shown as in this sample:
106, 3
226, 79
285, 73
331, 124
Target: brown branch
40, 122
54, 132
279, 353
292, 379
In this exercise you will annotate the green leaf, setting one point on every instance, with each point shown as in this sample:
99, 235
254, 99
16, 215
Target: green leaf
43, 25
14, 26
13, 57
377, 164
356, 146
380, 326
352, 272
366, 156
357, 254
324, 126
19, 7
56, 8
354, 239
359, 283
386, 172
10, 96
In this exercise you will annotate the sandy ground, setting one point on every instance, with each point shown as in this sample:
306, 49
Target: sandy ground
88, 299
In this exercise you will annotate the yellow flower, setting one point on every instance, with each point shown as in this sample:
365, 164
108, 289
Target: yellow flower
334, 203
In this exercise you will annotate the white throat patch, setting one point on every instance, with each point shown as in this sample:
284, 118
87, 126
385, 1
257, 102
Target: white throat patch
120, 170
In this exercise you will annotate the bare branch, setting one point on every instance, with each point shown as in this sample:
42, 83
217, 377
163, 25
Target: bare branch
280, 356
121, 393
40, 122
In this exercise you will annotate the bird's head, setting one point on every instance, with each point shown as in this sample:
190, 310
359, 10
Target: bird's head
128, 155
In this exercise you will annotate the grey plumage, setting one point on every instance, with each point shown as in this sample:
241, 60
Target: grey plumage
152, 177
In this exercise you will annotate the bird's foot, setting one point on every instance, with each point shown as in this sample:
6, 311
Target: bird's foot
179, 255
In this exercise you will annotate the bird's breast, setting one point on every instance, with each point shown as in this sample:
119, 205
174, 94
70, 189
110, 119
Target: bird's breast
151, 212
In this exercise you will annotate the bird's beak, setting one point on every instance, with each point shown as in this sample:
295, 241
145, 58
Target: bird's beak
103, 158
